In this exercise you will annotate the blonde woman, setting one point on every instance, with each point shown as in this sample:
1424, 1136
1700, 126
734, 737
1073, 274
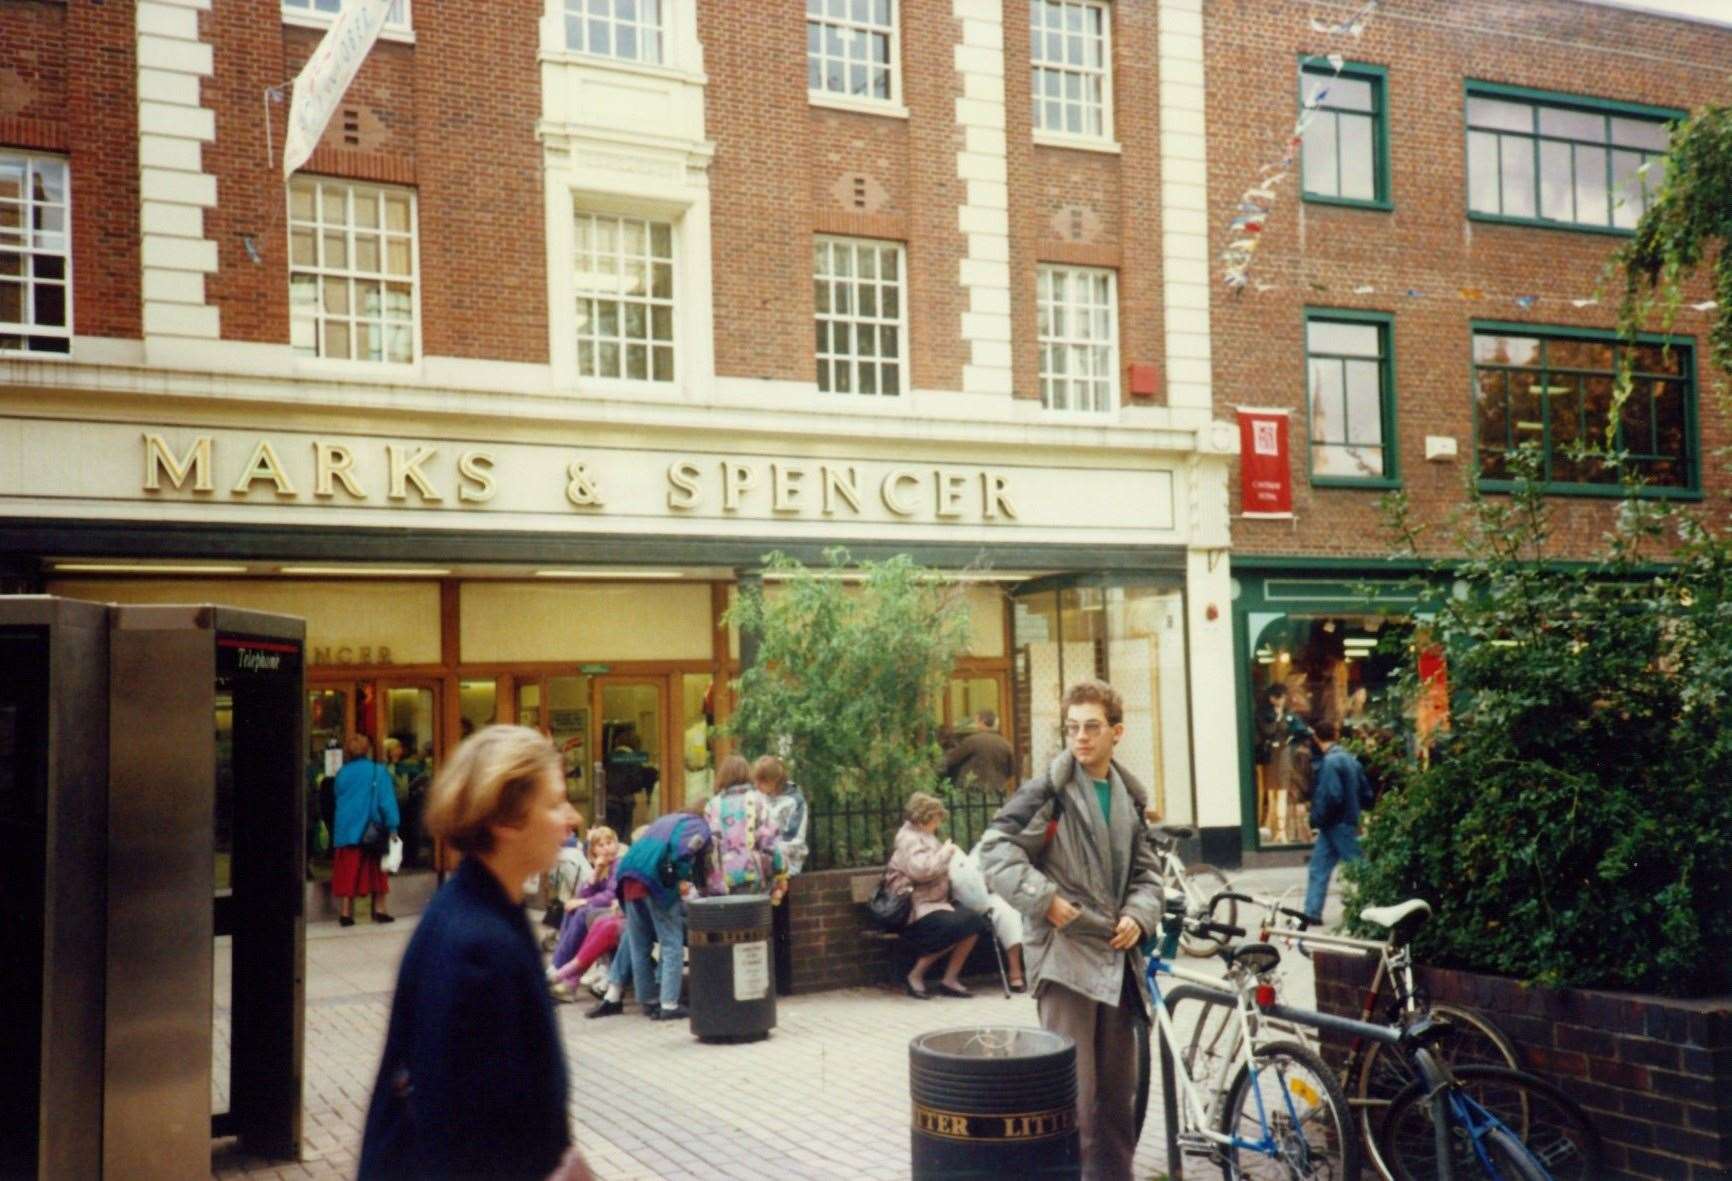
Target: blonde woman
921, 864
473, 1082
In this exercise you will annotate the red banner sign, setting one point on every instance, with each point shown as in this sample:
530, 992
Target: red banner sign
1266, 478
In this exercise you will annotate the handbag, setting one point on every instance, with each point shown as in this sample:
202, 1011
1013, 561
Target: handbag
375, 837
889, 911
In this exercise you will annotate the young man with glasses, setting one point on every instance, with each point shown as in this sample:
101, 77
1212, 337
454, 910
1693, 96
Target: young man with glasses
1068, 851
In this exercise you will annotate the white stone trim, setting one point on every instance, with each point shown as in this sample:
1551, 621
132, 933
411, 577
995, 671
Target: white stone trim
174, 188
1184, 209
982, 167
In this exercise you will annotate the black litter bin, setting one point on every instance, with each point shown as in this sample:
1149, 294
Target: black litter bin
992, 1103
733, 989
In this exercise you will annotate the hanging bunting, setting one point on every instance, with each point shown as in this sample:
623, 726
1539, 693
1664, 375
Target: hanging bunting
1472, 294
1525, 302
1353, 26
1706, 305
1583, 303
1365, 289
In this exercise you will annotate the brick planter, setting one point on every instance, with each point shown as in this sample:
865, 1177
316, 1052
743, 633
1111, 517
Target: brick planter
1654, 1073
832, 945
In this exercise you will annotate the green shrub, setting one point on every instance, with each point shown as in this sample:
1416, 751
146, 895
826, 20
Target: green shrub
1575, 826
846, 686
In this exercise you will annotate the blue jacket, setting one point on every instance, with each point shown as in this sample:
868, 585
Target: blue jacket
472, 1082
666, 854
1342, 790
364, 789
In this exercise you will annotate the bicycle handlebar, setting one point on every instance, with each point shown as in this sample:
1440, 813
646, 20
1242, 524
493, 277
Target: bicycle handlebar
1211, 927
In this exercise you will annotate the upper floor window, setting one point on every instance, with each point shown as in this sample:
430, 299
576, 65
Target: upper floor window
630, 30
1077, 326
1345, 154
857, 292
35, 255
351, 271
851, 48
624, 279
1071, 58
327, 10
1560, 159
1352, 397
1552, 389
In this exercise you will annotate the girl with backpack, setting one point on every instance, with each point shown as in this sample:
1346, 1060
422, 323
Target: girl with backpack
746, 839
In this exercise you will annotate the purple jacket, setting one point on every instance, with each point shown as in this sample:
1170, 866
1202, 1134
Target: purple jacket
601, 892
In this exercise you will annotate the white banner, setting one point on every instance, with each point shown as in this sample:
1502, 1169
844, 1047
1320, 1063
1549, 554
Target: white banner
323, 80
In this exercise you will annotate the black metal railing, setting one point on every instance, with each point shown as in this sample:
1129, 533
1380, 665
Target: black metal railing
861, 833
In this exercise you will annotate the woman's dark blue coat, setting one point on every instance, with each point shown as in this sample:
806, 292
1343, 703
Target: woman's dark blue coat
473, 1080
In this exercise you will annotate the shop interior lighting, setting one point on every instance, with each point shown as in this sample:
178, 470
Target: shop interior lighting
366, 571
143, 568
631, 574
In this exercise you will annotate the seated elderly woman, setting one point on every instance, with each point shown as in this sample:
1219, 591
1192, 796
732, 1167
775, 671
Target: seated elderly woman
920, 864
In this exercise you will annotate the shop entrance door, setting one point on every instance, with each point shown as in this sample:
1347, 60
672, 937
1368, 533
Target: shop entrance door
407, 741
631, 738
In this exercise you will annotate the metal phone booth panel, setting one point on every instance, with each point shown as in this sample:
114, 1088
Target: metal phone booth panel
53, 827
206, 842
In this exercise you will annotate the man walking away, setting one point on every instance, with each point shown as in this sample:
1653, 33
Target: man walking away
1342, 792
1068, 850
984, 759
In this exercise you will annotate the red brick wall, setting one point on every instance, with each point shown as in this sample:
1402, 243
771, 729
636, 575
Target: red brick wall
102, 117
1316, 255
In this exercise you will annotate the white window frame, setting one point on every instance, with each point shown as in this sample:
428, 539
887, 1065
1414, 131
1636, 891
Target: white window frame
22, 247
1058, 135
354, 274
823, 96
1049, 340
583, 16
828, 318
676, 346
399, 26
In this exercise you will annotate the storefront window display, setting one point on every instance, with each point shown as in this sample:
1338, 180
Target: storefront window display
1130, 634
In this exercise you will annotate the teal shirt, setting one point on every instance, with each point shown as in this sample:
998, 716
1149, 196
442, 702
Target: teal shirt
1104, 793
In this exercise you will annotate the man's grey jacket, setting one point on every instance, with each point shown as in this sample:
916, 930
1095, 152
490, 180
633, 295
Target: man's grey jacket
1106, 869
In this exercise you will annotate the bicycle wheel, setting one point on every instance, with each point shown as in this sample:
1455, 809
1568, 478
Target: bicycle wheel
1293, 1107
1384, 1073
1207, 1037
1201, 883
1558, 1142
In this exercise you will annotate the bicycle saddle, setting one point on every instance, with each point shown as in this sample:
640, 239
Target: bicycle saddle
1391, 916
1255, 958
1176, 832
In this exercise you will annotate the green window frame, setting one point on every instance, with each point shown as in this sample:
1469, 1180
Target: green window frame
1344, 153
1542, 158
1351, 444
1553, 387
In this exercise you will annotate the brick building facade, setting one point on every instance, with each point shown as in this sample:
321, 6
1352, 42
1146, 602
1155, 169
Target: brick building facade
567, 318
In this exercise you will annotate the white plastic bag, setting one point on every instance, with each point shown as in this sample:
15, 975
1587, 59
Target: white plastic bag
967, 884
392, 861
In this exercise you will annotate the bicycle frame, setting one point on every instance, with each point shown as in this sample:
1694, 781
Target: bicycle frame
1201, 1119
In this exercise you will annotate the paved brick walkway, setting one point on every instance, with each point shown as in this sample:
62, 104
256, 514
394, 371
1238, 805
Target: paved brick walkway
826, 1096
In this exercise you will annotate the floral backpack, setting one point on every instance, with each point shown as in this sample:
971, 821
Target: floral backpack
738, 821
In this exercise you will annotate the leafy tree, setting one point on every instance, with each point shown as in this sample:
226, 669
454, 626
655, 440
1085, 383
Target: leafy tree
1574, 826
846, 687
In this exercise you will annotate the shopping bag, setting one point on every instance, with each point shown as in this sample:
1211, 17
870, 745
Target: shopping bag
393, 859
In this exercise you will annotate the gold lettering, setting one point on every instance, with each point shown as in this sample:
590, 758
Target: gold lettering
321, 656
384, 654
997, 496
785, 490
580, 486
332, 462
683, 484
843, 483
366, 654
406, 469
264, 465
951, 487
956, 1125
345, 654
477, 468
892, 491
197, 464
1014, 1126
737, 480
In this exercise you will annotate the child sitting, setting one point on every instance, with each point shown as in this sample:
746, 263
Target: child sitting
594, 899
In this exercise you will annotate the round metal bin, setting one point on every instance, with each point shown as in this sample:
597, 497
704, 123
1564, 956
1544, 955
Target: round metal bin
992, 1103
733, 987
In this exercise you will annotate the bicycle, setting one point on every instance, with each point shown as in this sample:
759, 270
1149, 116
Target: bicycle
1281, 1112
1198, 884
1371, 1074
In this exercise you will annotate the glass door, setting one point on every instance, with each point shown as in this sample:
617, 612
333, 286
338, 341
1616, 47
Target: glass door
631, 736
330, 721
407, 743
